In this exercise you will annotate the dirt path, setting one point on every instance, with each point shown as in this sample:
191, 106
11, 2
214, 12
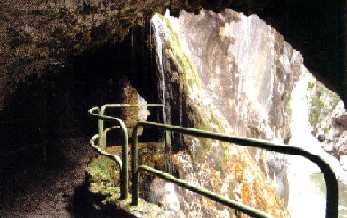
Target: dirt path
38, 189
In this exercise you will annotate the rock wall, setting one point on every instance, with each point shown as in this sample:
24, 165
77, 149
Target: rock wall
327, 117
234, 74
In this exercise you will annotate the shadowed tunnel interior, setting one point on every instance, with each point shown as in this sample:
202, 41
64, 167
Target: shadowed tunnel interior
55, 105
52, 108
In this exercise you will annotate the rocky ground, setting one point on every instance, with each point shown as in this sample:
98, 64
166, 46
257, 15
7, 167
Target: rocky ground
51, 189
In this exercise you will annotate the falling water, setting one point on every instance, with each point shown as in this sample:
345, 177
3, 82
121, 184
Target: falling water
162, 90
307, 191
259, 75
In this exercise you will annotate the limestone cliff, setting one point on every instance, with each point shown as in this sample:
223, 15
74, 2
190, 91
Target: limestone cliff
327, 117
234, 74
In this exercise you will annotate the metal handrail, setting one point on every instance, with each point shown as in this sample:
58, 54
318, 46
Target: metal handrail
99, 113
114, 157
329, 176
124, 161
102, 141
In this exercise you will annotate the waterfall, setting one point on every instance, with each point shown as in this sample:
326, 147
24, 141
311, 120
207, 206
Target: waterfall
162, 89
239, 77
306, 182
302, 188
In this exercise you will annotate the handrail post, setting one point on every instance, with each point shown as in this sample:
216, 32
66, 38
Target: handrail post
102, 144
124, 173
102, 139
135, 168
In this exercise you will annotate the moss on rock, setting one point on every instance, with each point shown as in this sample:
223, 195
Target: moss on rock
103, 182
322, 101
209, 155
104, 170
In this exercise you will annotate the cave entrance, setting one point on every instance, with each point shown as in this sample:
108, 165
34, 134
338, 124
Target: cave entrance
49, 108
52, 111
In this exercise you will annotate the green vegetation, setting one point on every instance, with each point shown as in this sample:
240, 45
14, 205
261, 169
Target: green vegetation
322, 102
104, 170
311, 85
190, 73
202, 118
103, 185
316, 109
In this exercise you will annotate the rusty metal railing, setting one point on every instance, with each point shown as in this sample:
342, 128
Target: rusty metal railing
329, 176
102, 111
122, 162
99, 113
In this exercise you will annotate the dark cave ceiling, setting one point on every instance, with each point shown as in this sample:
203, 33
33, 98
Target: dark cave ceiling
69, 27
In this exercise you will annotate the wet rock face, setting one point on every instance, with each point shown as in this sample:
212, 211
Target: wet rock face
246, 67
327, 117
232, 74
332, 131
164, 194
